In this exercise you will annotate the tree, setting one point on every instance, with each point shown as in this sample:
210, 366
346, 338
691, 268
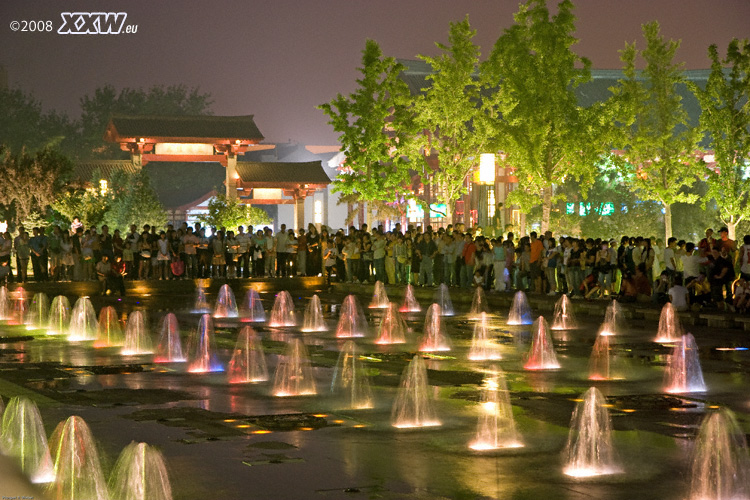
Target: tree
374, 122
658, 140
531, 77
89, 203
133, 202
23, 125
231, 213
448, 117
726, 117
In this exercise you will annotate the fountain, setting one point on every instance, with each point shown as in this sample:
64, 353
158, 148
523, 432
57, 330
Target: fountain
721, 465
201, 306
78, 472
520, 312
282, 313
350, 380
612, 319
443, 299
410, 304
20, 306
137, 336
542, 352
5, 306
564, 318
413, 406
496, 427
434, 338
109, 333
478, 303
589, 451
82, 321
253, 311
38, 312
169, 348
59, 316
392, 329
140, 474
599, 363
248, 364
379, 297
294, 376
226, 306
23, 438
352, 321
202, 358
313, 320
482, 346
670, 329
683, 373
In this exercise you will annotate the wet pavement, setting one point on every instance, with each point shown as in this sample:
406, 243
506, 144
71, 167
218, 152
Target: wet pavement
238, 441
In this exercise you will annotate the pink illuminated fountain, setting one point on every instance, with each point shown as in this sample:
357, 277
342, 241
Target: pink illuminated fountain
413, 406
248, 364
434, 338
612, 324
109, 333
599, 363
202, 358
410, 304
253, 311
478, 304
683, 373
352, 321
542, 352
201, 305
59, 316
5, 305
520, 312
23, 438
20, 306
294, 375
226, 306
140, 474
350, 381
483, 347
564, 318
313, 320
78, 471
443, 299
496, 427
137, 335
590, 451
392, 329
379, 296
83, 324
169, 348
670, 329
282, 313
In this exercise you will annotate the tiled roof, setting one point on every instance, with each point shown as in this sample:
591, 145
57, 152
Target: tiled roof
282, 172
210, 127
84, 171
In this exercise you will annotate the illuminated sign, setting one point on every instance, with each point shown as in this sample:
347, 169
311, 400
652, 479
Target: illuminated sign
415, 211
267, 194
178, 148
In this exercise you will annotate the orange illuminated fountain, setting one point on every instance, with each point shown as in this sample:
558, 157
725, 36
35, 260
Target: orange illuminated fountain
478, 304
350, 382
38, 312
410, 304
23, 438
294, 375
202, 358
379, 297
542, 354
169, 348
140, 474
520, 312
252, 310
443, 299
83, 324
201, 305
496, 427
669, 330
590, 451
413, 406
59, 316
78, 471
5, 305
564, 318
612, 324
20, 306
483, 347
109, 333
282, 313
600, 361
352, 320
248, 364
434, 338
226, 306
313, 321
392, 329
137, 335
721, 464
684, 373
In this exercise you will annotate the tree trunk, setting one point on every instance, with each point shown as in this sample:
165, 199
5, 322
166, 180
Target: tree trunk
732, 228
546, 208
667, 222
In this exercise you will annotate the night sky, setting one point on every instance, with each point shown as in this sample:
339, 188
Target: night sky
279, 59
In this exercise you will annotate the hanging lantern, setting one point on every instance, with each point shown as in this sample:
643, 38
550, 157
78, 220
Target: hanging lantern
487, 168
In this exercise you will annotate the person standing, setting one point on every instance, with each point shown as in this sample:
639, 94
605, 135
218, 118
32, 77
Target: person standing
23, 252
281, 253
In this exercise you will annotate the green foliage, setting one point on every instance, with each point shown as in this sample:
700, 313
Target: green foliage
230, 213
89, 205
23, 125
658, 139
133, 201
373, 122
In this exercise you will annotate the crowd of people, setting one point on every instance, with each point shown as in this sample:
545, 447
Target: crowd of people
715, 272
